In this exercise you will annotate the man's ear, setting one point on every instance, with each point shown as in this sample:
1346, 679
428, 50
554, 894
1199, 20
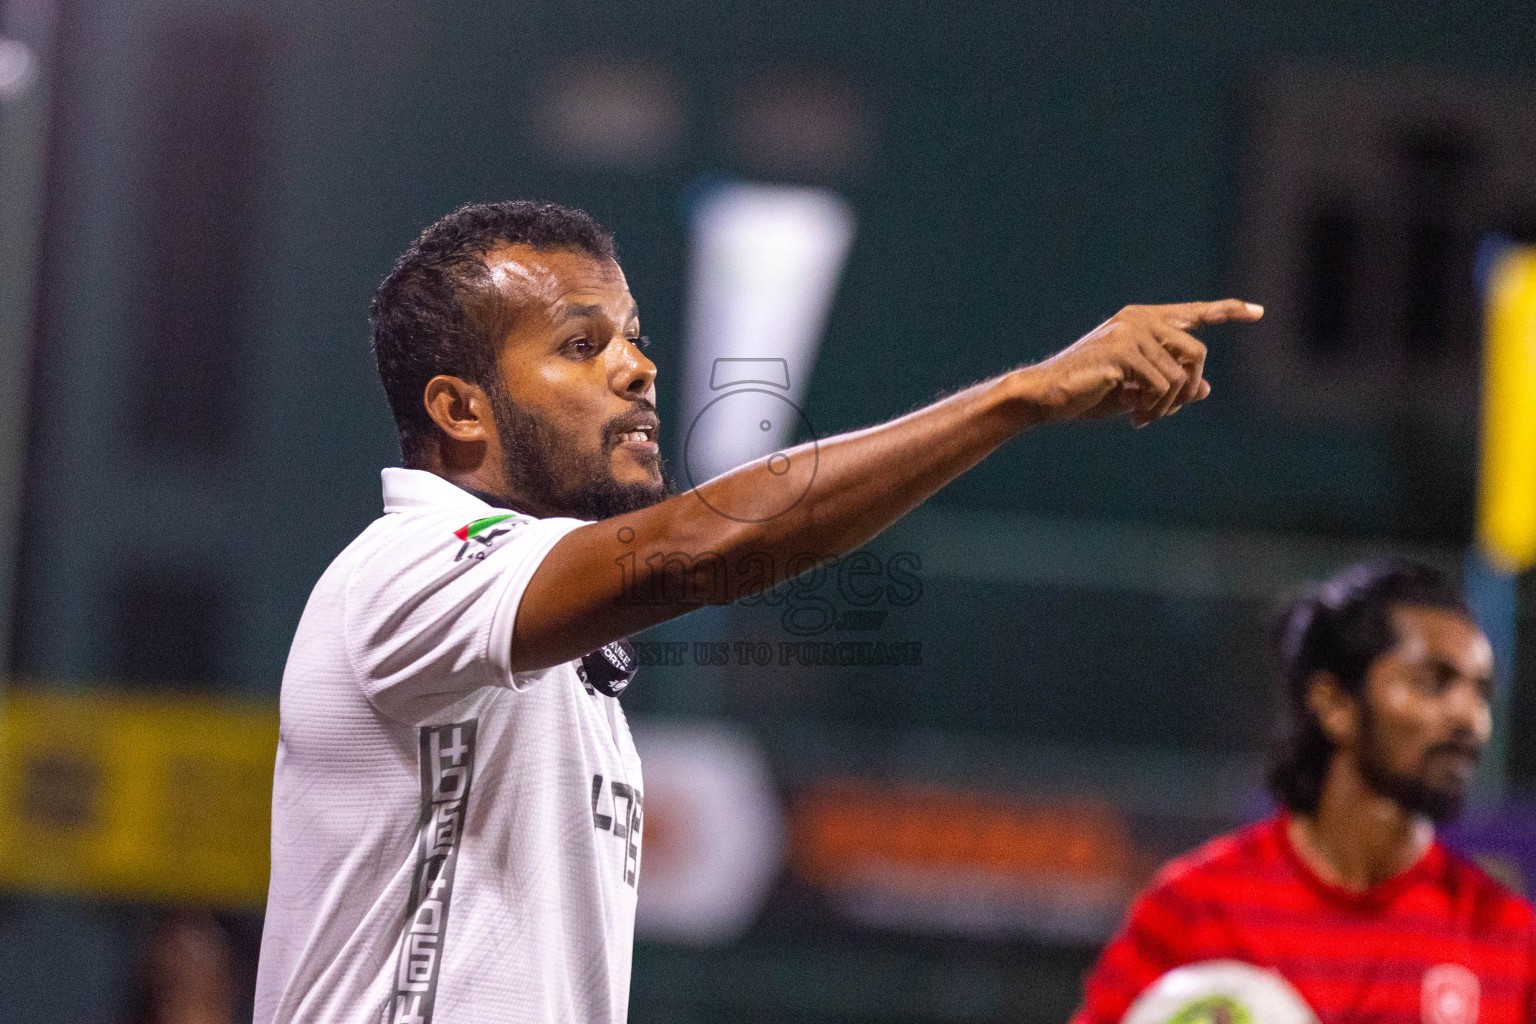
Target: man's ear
460, 409
1336, 710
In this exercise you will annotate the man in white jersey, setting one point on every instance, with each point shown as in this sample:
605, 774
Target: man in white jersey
458, 808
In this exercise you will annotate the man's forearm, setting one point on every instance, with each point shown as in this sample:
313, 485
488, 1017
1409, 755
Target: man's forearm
826, 497
777, 517
772, 518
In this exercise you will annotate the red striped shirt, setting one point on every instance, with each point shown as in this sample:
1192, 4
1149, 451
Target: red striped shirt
1355, 957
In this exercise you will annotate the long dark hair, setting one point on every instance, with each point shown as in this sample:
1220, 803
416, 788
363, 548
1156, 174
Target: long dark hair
1339, 627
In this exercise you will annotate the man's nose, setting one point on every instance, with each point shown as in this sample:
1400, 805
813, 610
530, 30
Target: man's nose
635, 374
1471, 711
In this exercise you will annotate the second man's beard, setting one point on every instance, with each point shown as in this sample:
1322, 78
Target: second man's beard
1413, 793
546, 471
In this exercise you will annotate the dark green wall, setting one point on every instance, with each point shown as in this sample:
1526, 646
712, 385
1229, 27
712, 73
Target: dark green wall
1035, 167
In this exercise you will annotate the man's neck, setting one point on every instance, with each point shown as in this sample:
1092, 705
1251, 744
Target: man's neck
480, 479
1358, 838
496, 500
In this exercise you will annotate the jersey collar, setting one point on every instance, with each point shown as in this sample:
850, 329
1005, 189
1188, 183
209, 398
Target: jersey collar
1374, 898
406, 489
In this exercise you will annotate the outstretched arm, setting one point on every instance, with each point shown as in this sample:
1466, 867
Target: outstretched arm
613, 578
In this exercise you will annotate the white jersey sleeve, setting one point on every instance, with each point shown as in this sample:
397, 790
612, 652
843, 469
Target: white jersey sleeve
429, 610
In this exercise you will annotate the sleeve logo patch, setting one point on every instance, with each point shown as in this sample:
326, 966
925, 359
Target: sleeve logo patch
479, 526
609, 669
479, 535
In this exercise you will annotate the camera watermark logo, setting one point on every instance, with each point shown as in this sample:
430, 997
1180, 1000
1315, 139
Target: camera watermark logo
751, 418
815, 602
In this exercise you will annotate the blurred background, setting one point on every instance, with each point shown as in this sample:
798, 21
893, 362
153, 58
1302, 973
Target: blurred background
918, 786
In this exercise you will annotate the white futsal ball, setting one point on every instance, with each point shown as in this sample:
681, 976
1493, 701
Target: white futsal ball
1220, 992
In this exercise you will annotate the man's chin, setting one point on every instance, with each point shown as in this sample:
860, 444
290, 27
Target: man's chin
1434, 793
617, 496
1440, 801
1444, 805
631, 466
636, 469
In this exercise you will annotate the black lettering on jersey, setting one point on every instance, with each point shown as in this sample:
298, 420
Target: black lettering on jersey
447, 769
621, 821
601, 822
624, 826
478, 546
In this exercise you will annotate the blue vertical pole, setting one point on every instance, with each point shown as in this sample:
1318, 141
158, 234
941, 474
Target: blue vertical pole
1491, 593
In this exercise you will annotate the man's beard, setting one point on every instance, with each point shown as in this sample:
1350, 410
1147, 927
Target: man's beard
1414, 793
545, 470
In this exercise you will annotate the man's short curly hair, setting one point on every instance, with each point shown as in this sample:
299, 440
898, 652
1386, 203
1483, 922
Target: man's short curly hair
434, 314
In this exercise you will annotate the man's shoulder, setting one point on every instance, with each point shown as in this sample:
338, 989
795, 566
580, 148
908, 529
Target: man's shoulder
1186, 912
1491, 899
458, 533
1218, 865
395, 548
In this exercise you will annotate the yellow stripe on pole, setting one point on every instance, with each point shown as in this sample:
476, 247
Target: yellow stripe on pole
1506, 517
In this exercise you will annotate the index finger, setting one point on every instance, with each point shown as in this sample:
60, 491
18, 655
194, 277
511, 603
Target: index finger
1186, 315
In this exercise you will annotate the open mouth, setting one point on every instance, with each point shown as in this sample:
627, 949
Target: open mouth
637, 432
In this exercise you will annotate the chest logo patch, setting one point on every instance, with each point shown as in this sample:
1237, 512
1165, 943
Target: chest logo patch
1450, 995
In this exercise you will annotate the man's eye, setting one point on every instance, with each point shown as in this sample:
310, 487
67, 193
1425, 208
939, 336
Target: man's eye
640, 341
580, 347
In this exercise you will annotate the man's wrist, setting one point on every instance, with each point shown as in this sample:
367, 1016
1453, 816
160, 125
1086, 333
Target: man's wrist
1020, 397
